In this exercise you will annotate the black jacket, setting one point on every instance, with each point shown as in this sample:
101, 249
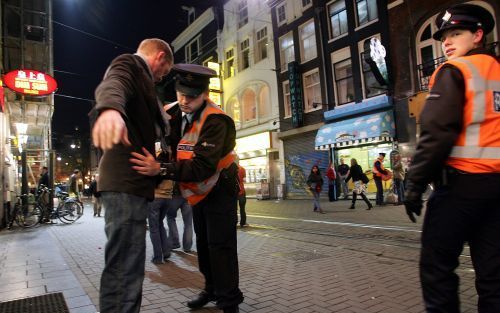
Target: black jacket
129, 88
355, 173
217, 138
441, 122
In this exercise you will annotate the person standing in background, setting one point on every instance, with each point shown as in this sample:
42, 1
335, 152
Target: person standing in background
96, 196
343, 171
73, 187
178, 202
378, 172
398, 178
332, 190
242, 196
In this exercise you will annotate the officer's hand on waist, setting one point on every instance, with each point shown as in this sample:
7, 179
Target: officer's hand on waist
145, 163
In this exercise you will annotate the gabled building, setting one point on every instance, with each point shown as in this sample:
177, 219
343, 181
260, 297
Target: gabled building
335, 84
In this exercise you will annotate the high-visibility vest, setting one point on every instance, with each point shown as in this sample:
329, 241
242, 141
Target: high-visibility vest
375, 170
194, 192
477, 148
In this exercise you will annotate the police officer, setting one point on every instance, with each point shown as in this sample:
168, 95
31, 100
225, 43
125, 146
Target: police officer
379, 171
207, 174
459, 150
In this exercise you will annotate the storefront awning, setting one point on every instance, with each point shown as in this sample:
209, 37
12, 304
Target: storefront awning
367, 129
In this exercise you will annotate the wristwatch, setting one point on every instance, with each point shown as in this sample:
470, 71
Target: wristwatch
163, 169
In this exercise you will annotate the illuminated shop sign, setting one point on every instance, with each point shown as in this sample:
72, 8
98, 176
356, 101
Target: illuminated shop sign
214, 81
261, 141
30, 82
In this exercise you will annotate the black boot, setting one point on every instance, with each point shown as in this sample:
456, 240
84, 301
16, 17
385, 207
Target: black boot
354, 196
370, 206
201, 300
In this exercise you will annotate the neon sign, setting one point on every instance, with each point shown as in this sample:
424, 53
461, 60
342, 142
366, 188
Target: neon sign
30, 82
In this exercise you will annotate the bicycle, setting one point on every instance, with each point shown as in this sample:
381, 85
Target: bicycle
24, 213
68, 209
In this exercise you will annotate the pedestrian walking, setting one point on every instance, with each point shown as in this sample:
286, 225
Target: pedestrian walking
242, 196
208, 179
130, 117
398, 178
332, 176
359, 178
174, 205
315, 183
73, 187
459, 151
343, 170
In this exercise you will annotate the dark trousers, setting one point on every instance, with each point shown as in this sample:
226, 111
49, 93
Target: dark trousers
332, 192
215, 222
380, 190
363, 196
124, 254
467, 210
242, 201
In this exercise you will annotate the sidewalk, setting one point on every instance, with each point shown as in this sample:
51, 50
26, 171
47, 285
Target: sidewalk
282, 269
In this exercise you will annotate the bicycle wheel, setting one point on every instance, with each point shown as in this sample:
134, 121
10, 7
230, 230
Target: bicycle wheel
28, 215
70, 211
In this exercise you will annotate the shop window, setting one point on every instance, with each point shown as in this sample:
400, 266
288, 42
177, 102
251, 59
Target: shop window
338, 18
286, 97
242, 13
366, 11
264, 103
312, 90
307, 35
261, 49
249, 105
229, 63
244, 54
281, 13
287, 53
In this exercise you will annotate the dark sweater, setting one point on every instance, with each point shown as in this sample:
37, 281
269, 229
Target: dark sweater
355, 174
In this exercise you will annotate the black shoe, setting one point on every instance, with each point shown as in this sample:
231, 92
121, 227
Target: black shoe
370, 207
201, 300
156, 261
352, 207
231, 309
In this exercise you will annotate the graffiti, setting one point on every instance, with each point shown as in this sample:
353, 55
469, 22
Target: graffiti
297, 169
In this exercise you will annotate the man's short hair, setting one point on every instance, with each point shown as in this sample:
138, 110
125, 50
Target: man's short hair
45, 168
76, 171
152, 45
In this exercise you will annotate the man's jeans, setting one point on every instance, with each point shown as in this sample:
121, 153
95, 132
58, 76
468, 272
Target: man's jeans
343, 186
125, 252
187, 216
157, 211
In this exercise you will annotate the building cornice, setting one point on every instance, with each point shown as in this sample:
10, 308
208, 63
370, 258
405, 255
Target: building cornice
196, 27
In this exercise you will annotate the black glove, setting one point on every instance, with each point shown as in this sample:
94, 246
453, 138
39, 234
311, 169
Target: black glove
413, 204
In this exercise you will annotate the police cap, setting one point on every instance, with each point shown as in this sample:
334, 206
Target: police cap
464, 16
192, 79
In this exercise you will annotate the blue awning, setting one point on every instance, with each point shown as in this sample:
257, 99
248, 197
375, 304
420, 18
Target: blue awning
372, 128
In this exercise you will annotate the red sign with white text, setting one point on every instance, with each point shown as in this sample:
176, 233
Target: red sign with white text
30, 82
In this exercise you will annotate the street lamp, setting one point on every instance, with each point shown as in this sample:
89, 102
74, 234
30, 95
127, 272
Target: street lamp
73, 146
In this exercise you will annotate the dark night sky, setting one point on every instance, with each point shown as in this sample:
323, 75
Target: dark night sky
86, 58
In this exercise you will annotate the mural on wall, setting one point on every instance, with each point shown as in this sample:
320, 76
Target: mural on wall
298, 167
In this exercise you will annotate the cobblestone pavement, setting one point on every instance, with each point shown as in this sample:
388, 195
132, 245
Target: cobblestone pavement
291, 260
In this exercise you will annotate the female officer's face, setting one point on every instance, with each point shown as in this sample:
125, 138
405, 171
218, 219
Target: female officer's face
458, 42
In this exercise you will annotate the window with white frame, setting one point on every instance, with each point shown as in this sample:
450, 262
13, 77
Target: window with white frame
249, 105
287, 53
307, 36
233, 110
287, 104
264, 102
230, 71
366, 11
312, 90
342, 76
244, 54
337, 18
192, 50
371, 86
242, 13
261, 49
281, 13
306, 3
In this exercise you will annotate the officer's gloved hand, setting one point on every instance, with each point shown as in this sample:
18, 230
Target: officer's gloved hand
413, 204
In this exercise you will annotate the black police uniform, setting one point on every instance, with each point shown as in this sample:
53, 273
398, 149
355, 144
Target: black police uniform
464, 207
215, 216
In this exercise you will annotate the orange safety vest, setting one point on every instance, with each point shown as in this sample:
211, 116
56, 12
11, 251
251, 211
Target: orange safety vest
375, 171
194, 192
477, 148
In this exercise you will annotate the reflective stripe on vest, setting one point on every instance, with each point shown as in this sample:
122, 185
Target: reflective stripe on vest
194, 192
477, 149
374, 170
